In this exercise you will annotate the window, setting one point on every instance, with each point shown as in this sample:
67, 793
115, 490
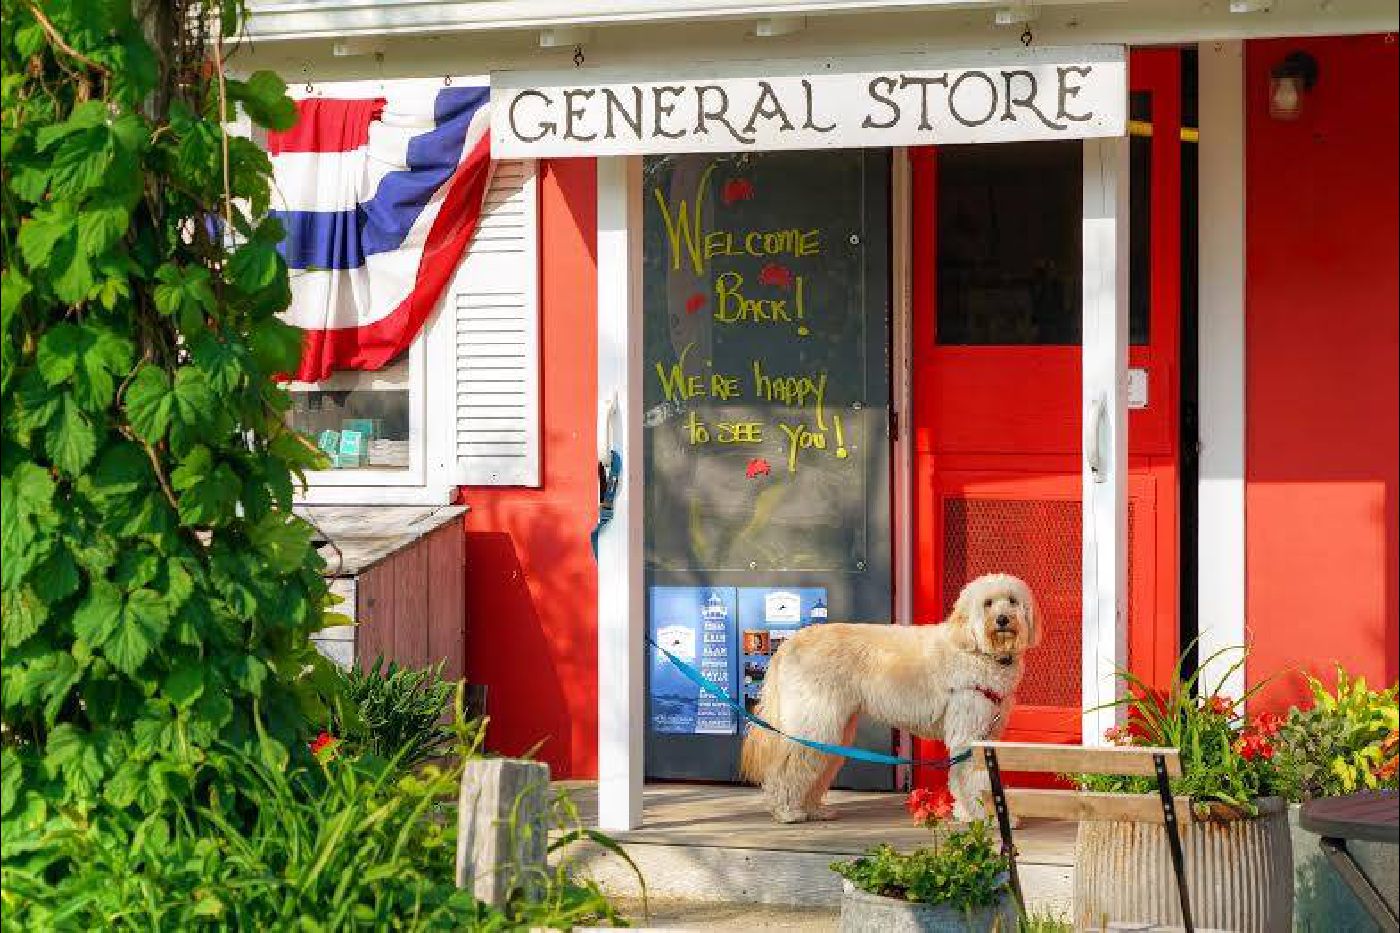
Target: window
461, 406
361, 421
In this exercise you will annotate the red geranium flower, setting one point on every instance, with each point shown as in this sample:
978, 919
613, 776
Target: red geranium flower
1220, 706
929, 806
1253, 745
1119, 735
321, 743
1268, 723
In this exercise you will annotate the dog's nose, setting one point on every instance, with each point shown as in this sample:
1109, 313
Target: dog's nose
1003, 621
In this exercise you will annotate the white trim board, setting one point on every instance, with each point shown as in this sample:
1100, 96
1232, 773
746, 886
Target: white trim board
1221, 505
1104, 476
621, 615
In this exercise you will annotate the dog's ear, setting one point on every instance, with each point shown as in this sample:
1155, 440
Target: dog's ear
961, 618
1034, 618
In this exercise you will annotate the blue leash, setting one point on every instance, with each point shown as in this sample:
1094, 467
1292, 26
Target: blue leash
608, 481
608, 478
843, 751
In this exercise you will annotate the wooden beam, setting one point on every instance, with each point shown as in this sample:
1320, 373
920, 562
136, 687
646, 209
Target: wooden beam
1077, 759
1037, 803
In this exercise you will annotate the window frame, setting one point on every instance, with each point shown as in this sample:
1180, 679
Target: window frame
430, 478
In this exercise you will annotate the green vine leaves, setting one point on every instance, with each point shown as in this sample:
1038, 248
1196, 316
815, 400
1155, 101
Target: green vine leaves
156, 587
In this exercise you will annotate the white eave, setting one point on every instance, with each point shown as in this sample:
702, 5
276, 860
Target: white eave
306, 19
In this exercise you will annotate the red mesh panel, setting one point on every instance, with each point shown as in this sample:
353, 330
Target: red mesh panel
1038, 540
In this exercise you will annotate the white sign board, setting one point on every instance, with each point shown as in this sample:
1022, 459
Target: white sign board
1003, 95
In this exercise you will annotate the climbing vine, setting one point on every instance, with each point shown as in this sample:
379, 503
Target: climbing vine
157, 590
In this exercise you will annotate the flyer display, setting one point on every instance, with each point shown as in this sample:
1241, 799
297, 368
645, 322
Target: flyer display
767, 618
696, 624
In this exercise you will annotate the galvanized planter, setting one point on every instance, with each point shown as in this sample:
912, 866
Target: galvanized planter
1239, 871
871, 913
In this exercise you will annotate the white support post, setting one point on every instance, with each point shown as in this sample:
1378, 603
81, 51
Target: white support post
1105, 414
621, 617
1220, 545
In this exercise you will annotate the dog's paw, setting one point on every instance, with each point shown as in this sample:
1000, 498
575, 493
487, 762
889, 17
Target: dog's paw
791, 815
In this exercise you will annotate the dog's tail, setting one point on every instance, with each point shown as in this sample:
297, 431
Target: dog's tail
763, 750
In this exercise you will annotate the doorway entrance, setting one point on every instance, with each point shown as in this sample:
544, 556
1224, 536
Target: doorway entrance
997, 353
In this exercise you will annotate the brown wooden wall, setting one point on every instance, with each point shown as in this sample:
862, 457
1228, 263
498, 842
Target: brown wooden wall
412, 605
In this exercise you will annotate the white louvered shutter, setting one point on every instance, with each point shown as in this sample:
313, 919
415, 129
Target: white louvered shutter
496, 295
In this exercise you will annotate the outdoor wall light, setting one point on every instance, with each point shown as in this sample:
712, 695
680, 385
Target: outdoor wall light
1288, 82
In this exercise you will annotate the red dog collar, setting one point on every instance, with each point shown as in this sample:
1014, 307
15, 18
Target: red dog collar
990, 694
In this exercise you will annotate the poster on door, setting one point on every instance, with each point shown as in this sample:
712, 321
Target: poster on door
769, 616
695, 624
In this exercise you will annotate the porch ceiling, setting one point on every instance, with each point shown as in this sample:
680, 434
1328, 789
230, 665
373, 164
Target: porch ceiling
1089, 20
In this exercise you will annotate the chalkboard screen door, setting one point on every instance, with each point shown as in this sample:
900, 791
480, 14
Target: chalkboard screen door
997, 311
766, 327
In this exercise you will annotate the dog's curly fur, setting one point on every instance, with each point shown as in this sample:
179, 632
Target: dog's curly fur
931, 680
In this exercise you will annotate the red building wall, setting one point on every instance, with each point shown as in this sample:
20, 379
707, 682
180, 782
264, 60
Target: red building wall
1321, 366
531, 579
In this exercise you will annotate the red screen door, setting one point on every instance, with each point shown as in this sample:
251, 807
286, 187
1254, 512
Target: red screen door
997, 309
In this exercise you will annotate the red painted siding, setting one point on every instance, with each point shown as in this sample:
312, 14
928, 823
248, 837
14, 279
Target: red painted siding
1321, 333
531, 580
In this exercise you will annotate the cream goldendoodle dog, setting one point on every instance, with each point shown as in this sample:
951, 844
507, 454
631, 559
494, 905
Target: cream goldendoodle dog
952, 682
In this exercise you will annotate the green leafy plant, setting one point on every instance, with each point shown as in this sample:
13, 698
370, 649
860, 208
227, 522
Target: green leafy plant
1344, 741
157, 589
395, 712
159, 684
337, 842
1036, 922
962, 869
1225, 758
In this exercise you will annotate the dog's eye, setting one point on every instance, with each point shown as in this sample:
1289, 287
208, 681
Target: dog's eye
987, 604
1011, 600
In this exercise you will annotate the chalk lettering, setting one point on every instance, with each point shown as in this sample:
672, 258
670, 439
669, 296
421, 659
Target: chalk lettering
793, 391
801, 438
683, 227
695, 430
731, 307
676, 382
739, 432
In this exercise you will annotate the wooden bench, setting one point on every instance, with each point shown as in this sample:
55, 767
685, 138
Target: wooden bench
1054, 804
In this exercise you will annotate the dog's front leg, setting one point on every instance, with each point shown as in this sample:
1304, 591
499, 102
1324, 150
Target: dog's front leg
971, 790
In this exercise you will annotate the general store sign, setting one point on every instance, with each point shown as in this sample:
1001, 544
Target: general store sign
907, 100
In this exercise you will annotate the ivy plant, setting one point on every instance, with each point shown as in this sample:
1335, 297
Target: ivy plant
157, 589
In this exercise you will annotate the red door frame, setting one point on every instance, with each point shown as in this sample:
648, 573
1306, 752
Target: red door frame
974, 438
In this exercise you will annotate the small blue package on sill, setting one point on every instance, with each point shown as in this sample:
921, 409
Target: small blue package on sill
367, 428
329, 442
351, 452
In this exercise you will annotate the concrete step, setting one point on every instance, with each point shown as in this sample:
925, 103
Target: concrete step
716, 844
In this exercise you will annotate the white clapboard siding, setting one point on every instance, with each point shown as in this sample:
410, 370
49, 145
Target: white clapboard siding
496, 299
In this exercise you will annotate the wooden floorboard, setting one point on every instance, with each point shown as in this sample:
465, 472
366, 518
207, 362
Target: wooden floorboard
730, 817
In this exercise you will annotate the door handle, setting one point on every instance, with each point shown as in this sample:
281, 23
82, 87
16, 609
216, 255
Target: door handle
1093, 440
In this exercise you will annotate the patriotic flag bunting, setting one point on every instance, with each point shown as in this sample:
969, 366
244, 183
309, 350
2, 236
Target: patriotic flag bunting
380, 199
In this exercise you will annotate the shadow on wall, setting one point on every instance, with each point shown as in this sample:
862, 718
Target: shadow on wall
530, 633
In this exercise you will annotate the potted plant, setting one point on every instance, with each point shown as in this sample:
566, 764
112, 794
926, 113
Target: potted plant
958, 882
1344, 740
1238, 858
